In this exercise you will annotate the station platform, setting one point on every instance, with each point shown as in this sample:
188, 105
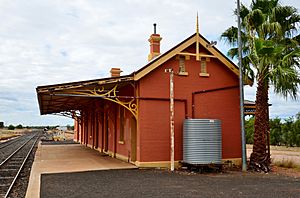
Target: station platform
68, 158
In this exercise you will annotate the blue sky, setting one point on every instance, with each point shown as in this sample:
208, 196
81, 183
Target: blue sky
52, 41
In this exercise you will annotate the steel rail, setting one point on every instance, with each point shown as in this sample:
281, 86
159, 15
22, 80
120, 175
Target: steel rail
16, 151
22, 165
7, 143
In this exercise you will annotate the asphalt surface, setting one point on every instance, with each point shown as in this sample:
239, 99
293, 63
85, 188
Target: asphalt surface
162, 183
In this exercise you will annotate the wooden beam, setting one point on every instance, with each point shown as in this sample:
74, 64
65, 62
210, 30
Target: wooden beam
200, 55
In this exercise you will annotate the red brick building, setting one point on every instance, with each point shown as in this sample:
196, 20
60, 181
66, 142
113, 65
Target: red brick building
128, 116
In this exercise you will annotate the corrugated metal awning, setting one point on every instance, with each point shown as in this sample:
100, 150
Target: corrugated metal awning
77, 95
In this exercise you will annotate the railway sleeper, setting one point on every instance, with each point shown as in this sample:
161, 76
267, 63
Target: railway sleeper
6, 170
8, 173
16, 163
12, 166
17, 158
3, 190
5, 177
4, 186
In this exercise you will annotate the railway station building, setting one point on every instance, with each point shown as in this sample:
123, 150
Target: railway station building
128, 117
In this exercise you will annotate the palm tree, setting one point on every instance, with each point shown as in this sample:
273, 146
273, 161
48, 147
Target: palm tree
271, 51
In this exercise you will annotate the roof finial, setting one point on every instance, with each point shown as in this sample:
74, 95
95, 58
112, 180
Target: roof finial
197, 24
197, 39
154, 28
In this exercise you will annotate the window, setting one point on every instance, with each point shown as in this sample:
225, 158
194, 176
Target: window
182, 70
122, 117
203, 67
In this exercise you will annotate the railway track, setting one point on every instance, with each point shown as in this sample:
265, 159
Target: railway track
6, 148
9, 142
11, 165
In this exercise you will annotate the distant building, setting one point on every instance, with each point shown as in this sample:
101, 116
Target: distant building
128, 116
61, 128
1, 124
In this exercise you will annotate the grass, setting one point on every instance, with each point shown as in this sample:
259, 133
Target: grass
282, 156
6, 134
287, 164
278, 148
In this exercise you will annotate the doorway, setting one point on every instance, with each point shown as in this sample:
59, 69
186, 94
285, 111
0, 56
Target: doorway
133, 139
106, 129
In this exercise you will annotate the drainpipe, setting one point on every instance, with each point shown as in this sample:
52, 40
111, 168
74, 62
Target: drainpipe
206, 91
168, 99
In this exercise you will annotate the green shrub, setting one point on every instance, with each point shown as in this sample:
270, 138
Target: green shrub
11, 127
19, 126
249, 130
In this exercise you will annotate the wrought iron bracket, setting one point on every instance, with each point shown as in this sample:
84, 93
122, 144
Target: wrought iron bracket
129, 102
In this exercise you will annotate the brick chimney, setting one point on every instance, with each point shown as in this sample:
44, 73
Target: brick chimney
115, 72
154, 44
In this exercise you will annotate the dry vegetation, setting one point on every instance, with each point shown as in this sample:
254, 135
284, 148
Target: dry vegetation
285, 163
285, 160
6, 134
279, 148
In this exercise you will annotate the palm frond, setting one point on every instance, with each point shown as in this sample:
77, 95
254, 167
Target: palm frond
254, 19
233, 53
265, 6
230, 36
285, 81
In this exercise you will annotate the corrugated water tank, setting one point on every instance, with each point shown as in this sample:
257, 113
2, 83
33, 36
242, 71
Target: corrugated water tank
202, 141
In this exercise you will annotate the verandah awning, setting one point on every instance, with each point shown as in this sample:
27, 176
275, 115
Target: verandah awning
78, 95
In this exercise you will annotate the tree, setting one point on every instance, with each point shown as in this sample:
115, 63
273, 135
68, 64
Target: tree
275, 132
249, 128
11, 127
296, 129
281, 133
270, 45
19, 126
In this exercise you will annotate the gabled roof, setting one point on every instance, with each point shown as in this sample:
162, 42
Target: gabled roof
53, 98
193, 39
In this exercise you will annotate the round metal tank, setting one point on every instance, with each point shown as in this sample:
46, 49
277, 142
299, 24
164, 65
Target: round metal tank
202, 141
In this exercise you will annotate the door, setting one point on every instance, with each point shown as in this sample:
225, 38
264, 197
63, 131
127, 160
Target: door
97, 130
106, 128
133, 139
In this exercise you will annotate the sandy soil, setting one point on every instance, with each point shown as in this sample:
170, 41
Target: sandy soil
279, 153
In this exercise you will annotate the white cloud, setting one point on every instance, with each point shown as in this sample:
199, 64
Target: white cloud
53, 41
